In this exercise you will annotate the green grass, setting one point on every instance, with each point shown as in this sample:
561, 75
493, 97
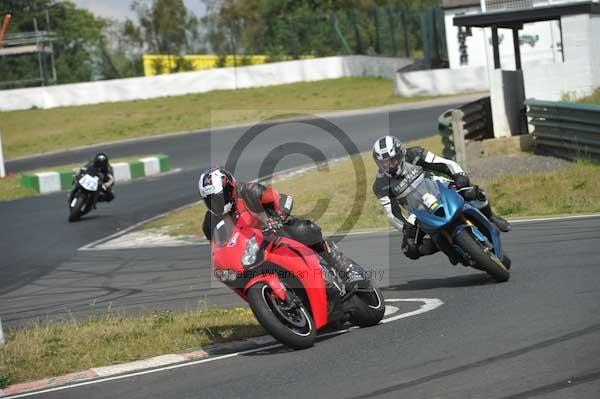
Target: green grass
594, 98
11, 189
39, 131
51, 349
575, 189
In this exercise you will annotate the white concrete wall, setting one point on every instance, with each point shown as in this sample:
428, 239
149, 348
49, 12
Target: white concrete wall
552, 82
595, 29
441, 81
201, 81
545, 50
579, 74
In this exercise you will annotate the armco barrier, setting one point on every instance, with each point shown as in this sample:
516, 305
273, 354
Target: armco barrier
476, 123
565, 129
53, 181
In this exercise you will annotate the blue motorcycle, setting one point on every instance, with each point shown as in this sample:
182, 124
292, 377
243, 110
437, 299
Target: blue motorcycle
459, 229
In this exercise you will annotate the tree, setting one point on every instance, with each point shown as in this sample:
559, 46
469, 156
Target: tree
283, 28
166, 26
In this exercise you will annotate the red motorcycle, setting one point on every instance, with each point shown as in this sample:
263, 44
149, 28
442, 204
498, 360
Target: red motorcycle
289, 287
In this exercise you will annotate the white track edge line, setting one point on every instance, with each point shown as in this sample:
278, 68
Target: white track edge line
429, 304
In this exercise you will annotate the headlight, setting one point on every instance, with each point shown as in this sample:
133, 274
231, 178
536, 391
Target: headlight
249, 256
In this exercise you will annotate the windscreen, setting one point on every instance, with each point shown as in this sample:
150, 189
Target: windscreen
423, 195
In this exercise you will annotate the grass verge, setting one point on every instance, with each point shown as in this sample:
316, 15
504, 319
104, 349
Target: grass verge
38, 131
11, 189
594, 98
56, 348
575, 189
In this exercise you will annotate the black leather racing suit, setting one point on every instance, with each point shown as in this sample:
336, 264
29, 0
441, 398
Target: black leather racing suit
414, 242
107, 183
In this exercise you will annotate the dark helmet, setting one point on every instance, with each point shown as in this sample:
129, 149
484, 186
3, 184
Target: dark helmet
101, 161
218, 190
389, 153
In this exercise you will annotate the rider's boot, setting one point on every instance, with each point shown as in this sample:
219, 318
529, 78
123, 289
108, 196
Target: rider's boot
502, 224
351, 275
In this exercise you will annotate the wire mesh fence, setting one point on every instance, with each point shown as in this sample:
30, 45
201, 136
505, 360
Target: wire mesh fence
384, 30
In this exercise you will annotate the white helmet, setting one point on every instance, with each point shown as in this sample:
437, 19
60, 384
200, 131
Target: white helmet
218, 189
389, 153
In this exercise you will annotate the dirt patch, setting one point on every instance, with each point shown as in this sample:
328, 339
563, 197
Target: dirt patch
490, 159
505, 165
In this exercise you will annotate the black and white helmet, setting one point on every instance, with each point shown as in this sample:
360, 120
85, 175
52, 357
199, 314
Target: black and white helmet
101, 161
218, 189
389, 153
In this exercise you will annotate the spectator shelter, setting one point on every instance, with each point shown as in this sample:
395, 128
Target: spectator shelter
574, 73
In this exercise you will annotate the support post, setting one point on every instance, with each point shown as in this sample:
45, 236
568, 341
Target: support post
2, 169
39, 51
496, 47
458, 134
517, 46
51, 48
1, 333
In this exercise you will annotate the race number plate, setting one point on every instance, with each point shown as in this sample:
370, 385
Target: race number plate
89, 183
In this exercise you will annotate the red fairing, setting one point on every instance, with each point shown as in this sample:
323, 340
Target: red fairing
291, 256
307, 270
272, 281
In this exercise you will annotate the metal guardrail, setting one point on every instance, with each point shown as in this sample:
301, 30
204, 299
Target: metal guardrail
565, 129
475, 122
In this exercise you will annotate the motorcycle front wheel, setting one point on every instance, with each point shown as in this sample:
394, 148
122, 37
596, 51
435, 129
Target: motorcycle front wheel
75, 211
484, 258
287, 321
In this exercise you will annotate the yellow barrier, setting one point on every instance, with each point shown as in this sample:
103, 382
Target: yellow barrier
162, 64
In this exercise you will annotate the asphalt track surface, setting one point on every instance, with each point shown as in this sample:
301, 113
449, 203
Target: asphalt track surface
36, 238
535, 336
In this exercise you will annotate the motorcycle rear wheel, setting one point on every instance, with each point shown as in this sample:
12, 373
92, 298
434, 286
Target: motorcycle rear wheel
291, 325
484, 260
369, 306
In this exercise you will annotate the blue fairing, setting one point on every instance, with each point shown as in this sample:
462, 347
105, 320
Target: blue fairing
452, 203
475, 215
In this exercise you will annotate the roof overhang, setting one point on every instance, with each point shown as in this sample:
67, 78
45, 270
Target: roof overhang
452, 4
514, 19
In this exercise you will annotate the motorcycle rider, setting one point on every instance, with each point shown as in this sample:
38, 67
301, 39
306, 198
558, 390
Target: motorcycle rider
264, 207
100, 164
396, 166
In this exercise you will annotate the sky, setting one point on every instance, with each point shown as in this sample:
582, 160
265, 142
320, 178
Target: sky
121, 9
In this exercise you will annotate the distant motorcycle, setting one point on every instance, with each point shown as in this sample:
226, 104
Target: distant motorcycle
84, 194
291, 290
463, 233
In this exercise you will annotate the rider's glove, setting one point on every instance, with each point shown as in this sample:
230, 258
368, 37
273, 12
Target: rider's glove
273, 224
282, 216
461, 180
105, 187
